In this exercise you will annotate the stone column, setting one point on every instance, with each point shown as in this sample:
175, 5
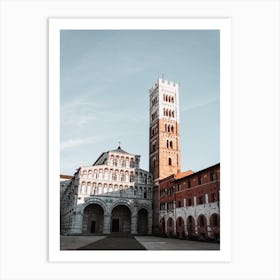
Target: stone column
77, 223
133, 223
195, 226
107, 224
185, 227
175, 226
208, 227
206, 198
175, 218
150, 222
194, 200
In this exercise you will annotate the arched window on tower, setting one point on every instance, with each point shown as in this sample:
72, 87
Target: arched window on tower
169, 161
169, 113
167, 143
165, 127
172, 114
172, 128
168, 128
171, 144
154, 147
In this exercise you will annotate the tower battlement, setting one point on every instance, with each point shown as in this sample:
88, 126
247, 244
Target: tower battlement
168, 83
164, 82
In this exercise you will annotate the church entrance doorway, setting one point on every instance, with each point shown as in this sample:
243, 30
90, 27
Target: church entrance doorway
93, 219
121, 219
92, 228
115, 225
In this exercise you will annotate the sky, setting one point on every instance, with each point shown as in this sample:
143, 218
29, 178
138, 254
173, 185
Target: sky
105, 77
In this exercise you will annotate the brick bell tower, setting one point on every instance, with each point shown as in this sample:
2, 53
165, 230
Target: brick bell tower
164, 137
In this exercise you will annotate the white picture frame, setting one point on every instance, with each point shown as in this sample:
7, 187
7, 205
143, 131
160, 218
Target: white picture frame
224, 26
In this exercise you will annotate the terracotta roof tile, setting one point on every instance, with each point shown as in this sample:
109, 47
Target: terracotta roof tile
65, 176
183, 174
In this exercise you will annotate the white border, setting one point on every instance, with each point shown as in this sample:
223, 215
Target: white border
224, 25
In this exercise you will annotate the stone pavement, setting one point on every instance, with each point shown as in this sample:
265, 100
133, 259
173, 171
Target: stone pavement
75, 242
160, 243
128, 242
115, 243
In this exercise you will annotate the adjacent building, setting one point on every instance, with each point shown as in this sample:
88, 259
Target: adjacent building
190, 204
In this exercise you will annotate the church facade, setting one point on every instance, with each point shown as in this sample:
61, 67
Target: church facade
112, 195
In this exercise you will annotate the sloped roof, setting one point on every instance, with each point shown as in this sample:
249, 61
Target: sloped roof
119, 150
62, 176
183, 174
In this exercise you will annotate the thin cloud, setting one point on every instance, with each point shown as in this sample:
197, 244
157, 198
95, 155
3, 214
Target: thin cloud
78, 104
76, 142
79, 112
197, 105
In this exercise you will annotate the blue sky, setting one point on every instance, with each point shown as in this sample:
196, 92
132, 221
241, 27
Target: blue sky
105, 79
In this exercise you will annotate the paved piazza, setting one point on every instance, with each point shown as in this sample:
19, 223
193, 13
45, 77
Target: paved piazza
159, 243
119, 242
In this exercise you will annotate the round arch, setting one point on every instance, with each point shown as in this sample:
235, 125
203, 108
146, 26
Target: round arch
94, 200
121, 218
180, 227
162, 226
123, 202
202, 226
170, 227
93, 219
142, 221
191, 226
215, 226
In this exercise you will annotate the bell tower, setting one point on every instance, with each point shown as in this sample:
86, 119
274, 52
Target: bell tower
164, 139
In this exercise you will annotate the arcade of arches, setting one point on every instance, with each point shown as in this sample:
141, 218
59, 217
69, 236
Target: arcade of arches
191, 227
120, 220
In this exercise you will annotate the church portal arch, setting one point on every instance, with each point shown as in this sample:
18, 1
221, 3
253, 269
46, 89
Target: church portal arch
93, 219
121, 219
